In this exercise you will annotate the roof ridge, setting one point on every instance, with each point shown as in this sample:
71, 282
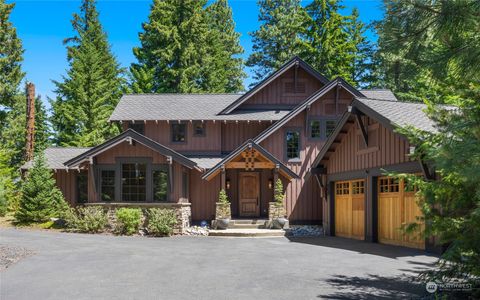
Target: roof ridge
393, 101
67, 147
155, 94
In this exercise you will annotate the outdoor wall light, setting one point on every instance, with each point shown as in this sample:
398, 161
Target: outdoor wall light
270, 184
227, 183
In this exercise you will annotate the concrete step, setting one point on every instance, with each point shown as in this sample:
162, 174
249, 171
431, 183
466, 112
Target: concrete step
247, 223
241, 232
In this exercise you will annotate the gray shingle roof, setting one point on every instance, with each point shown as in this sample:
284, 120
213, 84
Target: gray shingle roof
56, 156
380, 94
139, 107
401, 113
206, 162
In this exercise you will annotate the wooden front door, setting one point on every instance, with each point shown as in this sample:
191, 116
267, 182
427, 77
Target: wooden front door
349, 209
249, 194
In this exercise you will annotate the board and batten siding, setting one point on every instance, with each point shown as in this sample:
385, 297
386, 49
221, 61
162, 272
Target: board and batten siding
210, 143
391, 149
277, 93
234, 134
203, 196
66, 183
303, 203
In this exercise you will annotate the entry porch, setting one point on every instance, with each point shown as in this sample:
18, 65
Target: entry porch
248, 176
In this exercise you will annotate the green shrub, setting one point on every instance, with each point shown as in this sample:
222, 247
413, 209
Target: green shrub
41, 199
128, 220
222, 197
3, 197
161, 221
90, 219
279, 195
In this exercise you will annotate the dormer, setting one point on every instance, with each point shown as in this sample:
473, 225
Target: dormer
294, 82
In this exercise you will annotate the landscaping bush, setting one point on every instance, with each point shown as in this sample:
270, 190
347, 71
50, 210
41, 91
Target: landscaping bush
41, 199
279, 195
91, 219
3, 198
161, 221
128, 220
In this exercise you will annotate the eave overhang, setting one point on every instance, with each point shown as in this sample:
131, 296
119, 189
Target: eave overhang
128, 136
249, 145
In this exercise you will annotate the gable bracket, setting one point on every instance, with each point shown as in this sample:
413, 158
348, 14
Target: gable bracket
427, 173
358, 116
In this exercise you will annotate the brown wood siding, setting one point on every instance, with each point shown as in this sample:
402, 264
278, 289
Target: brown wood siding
303, 203
391, 149
275, 93
203, 196
160, 132
234, 134
126, 150
66, 182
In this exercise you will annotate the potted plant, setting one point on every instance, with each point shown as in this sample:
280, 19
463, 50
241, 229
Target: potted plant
223, 212
277, 213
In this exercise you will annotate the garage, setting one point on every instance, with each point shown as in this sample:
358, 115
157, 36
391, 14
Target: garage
350, 209
397, 206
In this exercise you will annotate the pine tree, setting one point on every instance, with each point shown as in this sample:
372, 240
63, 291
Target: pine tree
11, 54
363, 73
7, 186
41, 199
331, 50
280, 36
92, 87
225, 70
173, 50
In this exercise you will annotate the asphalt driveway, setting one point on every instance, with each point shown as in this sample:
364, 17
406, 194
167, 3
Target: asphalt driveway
79, 266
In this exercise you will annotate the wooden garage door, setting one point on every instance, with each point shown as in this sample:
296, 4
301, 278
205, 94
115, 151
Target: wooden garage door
349, 209
397, 207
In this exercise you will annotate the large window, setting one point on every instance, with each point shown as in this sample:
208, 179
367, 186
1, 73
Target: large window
321, 128
292, 139
315, 129
107, 185
330, 127
134, 182
160, 185
179, 133
82, 187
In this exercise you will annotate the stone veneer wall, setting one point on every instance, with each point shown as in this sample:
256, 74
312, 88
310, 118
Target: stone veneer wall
223, 211
182, 210
275, 211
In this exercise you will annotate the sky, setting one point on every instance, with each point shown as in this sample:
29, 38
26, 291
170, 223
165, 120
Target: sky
43, 25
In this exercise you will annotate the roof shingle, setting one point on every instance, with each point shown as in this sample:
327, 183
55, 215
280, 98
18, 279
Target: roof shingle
380, 94
140, 107
401, 113
57, 156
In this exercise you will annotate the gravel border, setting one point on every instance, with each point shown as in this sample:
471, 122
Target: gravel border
11, 254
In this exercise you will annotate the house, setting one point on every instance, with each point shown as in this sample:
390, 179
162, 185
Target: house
180, 150
358, 200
